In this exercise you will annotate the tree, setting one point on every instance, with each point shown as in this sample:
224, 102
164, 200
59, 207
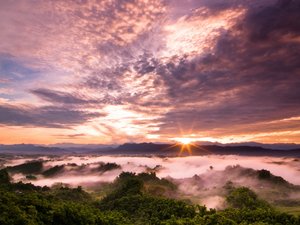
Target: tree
4, 177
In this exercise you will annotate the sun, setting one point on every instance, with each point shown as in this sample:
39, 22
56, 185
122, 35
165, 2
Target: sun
186, 144
184, 141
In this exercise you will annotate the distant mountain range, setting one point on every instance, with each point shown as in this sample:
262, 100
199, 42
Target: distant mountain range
151, 149
275, 146
169, 149
31, 149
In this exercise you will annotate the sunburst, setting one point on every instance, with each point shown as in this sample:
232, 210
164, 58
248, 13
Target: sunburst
187, 144
184, 140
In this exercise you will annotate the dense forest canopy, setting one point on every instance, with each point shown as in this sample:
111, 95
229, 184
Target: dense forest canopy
128, 201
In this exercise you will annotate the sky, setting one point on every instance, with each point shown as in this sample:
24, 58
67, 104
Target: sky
115, 71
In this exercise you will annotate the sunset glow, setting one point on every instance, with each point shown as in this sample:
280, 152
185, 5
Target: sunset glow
111, 72
184, 141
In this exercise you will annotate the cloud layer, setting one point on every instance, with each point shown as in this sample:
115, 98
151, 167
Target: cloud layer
116, 71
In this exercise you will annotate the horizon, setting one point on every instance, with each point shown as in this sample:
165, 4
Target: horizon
158, 142
173, 144
149, 112
114, 72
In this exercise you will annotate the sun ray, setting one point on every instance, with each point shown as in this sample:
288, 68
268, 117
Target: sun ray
201, 148
181, 150
171, 146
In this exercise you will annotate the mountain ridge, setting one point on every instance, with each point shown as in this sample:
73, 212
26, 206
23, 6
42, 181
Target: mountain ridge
151, 149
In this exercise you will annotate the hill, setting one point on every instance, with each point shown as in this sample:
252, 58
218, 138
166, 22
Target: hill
150, 149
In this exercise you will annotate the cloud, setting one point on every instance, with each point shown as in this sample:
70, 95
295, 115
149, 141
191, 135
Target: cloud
13, 69
69, 136
217, 67
249, 76
76, 35
48, 116
175, 167
58, 96
279, 20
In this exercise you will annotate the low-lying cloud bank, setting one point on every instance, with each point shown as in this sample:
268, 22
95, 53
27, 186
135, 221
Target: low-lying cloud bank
80, 170
200, 179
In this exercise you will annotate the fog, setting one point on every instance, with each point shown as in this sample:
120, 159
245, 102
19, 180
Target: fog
212, 172
175, 167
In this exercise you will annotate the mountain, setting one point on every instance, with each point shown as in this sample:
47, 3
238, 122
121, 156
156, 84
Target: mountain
150, 149
168, 149
85, 146
31, 149
274, 146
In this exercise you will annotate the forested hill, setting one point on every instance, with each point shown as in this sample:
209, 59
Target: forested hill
128, 202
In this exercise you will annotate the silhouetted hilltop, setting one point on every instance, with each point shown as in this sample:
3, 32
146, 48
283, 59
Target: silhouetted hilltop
31, 149
169, 149
151, 149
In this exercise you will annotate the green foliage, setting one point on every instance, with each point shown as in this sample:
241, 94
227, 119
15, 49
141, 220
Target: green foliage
125, 185
4, 177
38, 207
151, 178
293, 210
260, 215
151, 183
266, 175
33, 167
129, 198
128, 204
25, 187
31, 177
53, 171
243, 197
71, 194
72, 213
104, 167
